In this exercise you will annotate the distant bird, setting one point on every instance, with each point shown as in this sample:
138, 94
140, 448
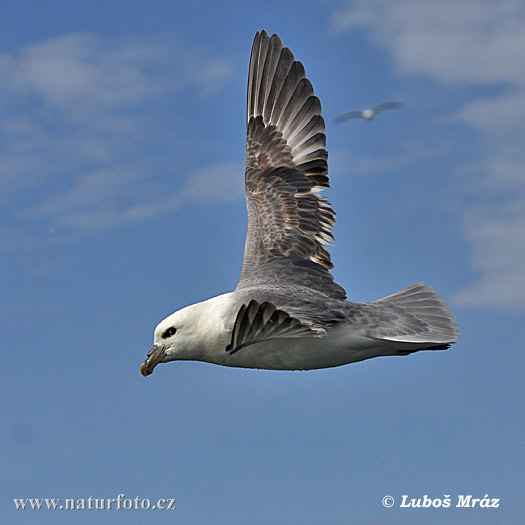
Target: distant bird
287, 312
370, 113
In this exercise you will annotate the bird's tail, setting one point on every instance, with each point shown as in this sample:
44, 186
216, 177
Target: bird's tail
417, 315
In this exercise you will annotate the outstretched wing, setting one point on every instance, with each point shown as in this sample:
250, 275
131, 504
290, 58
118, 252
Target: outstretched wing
289, 222
387, 105
348, 115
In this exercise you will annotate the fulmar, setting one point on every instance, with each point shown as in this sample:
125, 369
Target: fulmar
287, 312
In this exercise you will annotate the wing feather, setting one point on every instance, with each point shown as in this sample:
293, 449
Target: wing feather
286, 167
257, 322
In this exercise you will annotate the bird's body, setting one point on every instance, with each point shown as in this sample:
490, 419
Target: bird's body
287, 313
208, 325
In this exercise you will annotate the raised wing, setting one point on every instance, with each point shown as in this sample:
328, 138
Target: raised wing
289, 222
387, 105
348, 115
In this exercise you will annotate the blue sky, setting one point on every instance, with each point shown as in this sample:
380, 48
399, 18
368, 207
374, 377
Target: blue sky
121, 200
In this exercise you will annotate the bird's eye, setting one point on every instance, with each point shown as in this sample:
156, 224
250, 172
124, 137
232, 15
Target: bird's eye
169, 332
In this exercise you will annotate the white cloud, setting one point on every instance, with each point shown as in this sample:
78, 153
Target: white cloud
495, 115
79, 72
125, 195
408, 155
452, 40
498, 255
469, 44
223, 181
74, 129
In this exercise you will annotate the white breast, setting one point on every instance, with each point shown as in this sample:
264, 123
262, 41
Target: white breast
338, 347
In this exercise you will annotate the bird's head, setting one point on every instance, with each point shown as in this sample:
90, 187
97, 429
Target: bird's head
176, 337
189, 334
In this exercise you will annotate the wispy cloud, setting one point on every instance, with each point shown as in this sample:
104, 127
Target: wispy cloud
469, 44
408, 155
498, 255
455, 41
127, 194
74, 128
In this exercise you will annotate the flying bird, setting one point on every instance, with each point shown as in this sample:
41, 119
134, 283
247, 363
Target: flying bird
287, 312
370, 113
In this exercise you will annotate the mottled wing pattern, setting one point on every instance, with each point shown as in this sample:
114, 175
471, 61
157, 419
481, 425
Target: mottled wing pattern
289, 222
256, 322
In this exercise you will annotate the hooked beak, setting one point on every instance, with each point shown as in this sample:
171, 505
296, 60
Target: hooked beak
155, 356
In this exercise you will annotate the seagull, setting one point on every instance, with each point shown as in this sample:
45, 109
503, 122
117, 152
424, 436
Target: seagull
370, 113
287, 312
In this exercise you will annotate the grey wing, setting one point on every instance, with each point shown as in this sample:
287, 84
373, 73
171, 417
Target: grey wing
289, 222
387, 105
348, 115
256, 322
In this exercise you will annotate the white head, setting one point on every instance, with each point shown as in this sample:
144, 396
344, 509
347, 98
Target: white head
187, 334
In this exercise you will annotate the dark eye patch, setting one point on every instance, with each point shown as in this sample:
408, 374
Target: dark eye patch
169, 332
